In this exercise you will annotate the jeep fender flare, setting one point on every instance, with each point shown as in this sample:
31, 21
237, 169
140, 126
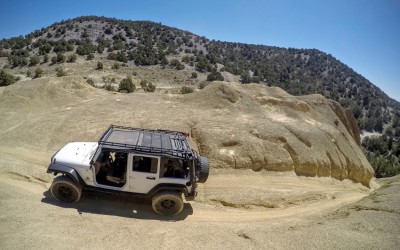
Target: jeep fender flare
62, 169
168, 187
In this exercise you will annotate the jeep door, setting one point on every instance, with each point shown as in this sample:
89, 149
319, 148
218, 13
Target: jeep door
143, 173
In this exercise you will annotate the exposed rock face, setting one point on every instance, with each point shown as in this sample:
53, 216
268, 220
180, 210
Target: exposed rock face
265, 128
236, 126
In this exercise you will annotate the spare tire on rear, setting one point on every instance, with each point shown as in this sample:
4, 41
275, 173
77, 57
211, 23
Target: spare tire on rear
203, 169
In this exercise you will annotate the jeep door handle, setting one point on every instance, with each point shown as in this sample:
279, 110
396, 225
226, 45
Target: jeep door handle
151, 178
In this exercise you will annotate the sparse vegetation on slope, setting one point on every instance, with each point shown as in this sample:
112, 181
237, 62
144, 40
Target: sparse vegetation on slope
6, 78
142, 43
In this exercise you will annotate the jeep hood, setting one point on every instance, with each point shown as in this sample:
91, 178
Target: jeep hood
76, 153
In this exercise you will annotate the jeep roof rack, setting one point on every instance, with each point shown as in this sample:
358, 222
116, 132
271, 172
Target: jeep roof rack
157, 141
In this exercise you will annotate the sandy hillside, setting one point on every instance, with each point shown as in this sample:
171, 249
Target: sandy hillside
236, 126
243, 205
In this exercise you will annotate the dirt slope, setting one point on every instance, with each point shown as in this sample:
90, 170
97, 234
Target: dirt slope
236, 126
235, 209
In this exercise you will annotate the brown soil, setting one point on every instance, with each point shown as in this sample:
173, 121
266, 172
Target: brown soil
235, 209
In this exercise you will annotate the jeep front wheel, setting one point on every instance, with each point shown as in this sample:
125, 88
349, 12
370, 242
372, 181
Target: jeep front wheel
66, 190
167, 203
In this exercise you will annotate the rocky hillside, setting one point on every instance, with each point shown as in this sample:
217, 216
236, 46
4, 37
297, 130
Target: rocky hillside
236, 126
180, 57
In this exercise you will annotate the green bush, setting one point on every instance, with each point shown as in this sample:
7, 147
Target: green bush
147, 86
54, 60
99, 65
245, 77
127, 85
176, 64
383, 153
116, 66
90, 57
72, 58
34, 60
187, 90
194, 75
90, 82
6, 78
215, 76
45, 58
38, 73
60, 58
60, 72
109, 87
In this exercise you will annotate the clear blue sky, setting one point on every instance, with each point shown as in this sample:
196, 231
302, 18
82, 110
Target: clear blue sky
364, 34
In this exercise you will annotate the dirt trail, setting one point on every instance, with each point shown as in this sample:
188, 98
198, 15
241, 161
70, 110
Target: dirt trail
31, 218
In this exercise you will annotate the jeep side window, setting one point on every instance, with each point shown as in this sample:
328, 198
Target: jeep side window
145, 164
173, 168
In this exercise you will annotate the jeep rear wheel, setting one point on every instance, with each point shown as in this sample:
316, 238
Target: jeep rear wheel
66, 190
167, 203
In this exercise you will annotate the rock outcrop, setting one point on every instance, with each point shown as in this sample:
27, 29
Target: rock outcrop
237, 126
256, 127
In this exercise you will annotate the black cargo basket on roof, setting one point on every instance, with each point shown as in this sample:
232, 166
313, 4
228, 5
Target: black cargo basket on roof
157, 141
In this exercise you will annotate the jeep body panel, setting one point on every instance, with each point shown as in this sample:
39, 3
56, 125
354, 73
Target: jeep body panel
76, 156
57, 168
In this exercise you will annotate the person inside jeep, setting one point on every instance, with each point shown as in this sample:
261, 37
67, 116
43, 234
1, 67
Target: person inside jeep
174, 169
117, 172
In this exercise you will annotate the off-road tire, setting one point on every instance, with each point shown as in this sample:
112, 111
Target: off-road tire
203, 169
167, 203
66, 190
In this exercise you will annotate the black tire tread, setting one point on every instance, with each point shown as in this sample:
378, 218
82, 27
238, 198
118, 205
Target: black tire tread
171, 195
204, 169
66, 180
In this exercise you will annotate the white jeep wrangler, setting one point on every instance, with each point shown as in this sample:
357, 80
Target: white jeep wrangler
156, 164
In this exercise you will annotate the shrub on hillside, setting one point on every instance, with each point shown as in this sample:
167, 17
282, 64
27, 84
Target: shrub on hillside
176, 64
215, 76
54, 60
383, 153
109, 87
90, 57
127, 85
34, 60
45, 58
38, 73
60, 58
187, 90
90, 82
115, 66
147, 86
99, 66
6, 78
72, 58
60, 72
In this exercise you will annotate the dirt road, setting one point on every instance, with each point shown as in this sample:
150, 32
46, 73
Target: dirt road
235, 210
